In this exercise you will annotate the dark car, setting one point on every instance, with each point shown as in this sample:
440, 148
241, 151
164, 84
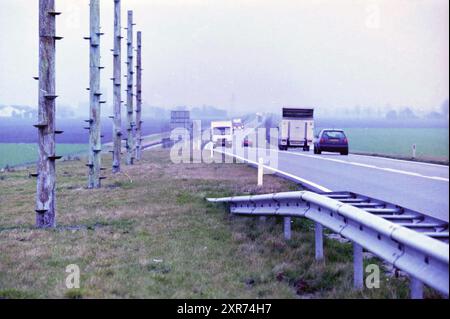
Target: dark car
247, 142
331, 140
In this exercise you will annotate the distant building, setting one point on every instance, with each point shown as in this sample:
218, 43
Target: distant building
17, 111
407, 114
391, 115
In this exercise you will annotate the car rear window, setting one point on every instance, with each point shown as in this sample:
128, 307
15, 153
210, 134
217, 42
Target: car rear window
334, 134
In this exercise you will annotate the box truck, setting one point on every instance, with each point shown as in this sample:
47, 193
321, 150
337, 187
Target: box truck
296, 128
237, 124
222, 133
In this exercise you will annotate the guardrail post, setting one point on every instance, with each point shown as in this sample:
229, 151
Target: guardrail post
318, 234
408, 250
416, 288
287, 228
260, 171
358, 274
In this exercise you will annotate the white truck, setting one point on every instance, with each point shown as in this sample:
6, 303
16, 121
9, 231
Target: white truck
222, 133
296, 128
237, 124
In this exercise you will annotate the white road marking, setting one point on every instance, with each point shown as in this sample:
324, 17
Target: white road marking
301, 180
399, 160
371, 166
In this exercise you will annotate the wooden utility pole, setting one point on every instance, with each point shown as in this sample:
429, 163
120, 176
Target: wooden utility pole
46, 166
95, 143
117, 80
131, 124
139, 96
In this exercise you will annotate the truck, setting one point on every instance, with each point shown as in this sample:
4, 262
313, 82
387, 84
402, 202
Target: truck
237, 124
296, 128
222, 133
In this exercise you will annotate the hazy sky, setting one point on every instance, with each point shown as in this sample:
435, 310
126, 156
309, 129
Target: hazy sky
268, 53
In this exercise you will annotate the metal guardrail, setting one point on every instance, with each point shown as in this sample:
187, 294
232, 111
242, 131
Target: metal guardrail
146, 146
402, 216
424, 258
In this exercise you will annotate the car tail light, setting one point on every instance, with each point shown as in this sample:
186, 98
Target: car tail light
322, 140
345, 140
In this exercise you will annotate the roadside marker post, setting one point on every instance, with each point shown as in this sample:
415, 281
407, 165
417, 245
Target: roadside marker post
260, 183
260, 171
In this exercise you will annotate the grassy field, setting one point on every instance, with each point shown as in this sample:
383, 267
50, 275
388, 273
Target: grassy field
431, 143
12, 154
149, 233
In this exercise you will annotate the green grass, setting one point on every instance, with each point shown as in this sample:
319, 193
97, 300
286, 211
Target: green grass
431, 143
16, 154
149, 233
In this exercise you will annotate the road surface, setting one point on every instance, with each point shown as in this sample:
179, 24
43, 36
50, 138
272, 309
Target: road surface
418, 186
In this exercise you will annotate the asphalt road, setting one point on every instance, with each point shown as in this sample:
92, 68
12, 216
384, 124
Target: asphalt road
418, 186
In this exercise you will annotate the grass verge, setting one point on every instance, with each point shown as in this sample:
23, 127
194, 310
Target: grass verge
149, 233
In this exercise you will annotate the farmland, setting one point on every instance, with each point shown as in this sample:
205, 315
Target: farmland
16, 154
431, 143
18, 138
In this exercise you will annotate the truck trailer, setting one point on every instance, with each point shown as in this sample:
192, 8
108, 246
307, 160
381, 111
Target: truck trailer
296, 128
222, 133
237, 124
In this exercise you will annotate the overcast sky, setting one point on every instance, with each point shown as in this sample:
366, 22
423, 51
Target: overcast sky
267, 53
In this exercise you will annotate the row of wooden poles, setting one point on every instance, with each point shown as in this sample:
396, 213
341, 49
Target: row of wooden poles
46, 166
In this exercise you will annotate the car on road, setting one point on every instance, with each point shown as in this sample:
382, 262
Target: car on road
331, 140
247, 142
